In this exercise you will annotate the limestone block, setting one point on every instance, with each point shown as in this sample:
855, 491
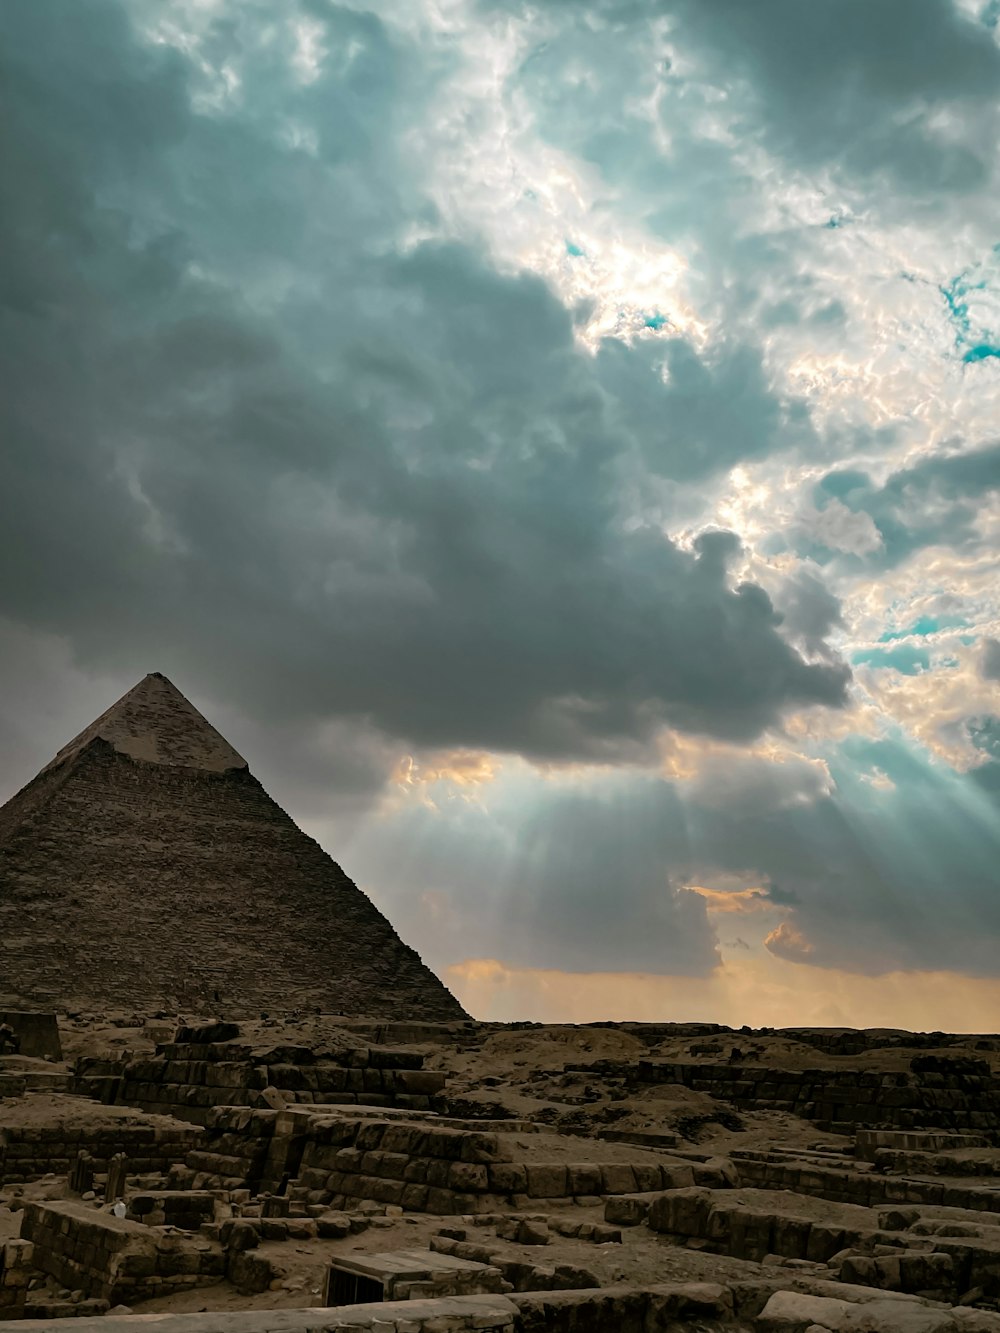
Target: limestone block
647, 1176
468, 1177
437, 1172
687, 1302
405, 1139
617, 1178
585, 1178
750, 1234
370, 1134
792, 1310
386, 1191
478, 1147
627, 1210
333, 1226
548, 1181
681, 1212
675, 1176
508, 1178
414, 1197
824, 1242
440, 1201
445, 1144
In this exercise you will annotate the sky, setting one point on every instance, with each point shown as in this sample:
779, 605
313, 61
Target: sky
558, 444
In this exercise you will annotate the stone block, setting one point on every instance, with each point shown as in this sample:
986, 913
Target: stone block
508, 1178
547, 1181
687, 1303
468, 1177
584, 1179
648, 1176
676, 1175
681, 1212
617, 1178
333, 1226
445, 1144
824, 1242
415, 1197
440, 1201
627, 1210
437, 1172
479, 1147
790, 1236
750, 1234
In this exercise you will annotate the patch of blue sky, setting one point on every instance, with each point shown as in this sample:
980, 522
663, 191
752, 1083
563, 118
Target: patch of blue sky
923, 626
905, 659
655, 321
574, 251
974, 309
981, 351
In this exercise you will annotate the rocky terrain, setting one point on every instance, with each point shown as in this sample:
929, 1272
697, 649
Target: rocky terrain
432, 1175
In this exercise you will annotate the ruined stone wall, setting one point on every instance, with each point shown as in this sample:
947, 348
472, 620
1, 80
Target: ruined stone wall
115, 1259
881, 1253
188, 1079
15, 1276
761, 1169
30, 1152
838, 1100
130, 883
439, 1170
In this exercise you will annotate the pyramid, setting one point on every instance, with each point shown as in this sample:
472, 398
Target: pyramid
145, 867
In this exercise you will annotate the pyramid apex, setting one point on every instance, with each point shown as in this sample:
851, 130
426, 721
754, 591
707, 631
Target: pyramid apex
154, 722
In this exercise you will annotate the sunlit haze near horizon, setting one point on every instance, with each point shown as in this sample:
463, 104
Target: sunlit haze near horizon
559, 446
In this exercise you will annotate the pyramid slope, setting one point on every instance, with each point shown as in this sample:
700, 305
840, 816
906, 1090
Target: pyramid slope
131, 881
155, 722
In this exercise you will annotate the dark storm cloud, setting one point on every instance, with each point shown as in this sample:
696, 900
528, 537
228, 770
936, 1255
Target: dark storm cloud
855, 83
845, 84
710, 415
809, 611
253, 441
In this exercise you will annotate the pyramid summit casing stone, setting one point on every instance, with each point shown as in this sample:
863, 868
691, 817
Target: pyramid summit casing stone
146, 866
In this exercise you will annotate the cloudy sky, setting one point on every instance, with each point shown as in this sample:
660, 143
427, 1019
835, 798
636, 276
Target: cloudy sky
559, 445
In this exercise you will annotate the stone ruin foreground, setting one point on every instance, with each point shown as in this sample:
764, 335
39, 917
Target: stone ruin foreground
230, 1109
372, 1176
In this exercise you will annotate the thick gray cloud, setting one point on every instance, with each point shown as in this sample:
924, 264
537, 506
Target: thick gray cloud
257, 442
844, 84
809, 611
857, 84
709, 416
936, 501
991, 659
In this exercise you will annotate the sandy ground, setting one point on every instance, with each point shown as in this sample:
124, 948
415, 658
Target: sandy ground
642, 1257
53, 1109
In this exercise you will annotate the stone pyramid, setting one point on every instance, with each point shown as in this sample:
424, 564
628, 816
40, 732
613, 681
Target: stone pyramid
145, 867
